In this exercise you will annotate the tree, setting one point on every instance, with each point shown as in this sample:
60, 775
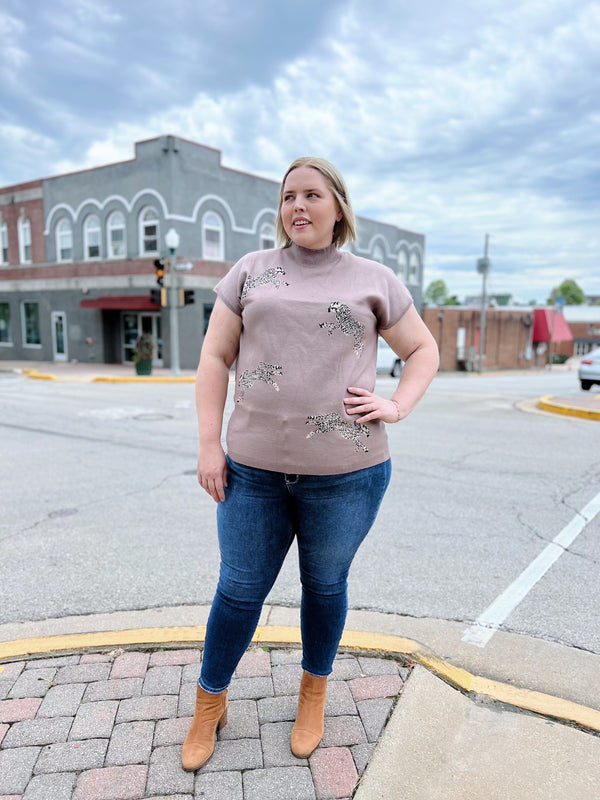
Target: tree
436, 292
570, 292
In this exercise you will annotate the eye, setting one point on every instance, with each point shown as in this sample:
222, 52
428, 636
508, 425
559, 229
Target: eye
312, 194
287, 197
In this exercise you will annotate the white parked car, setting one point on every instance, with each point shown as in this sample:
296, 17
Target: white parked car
387, 361
589, 369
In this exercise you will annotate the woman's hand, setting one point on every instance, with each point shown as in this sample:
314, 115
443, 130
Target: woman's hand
368, 406
212, 471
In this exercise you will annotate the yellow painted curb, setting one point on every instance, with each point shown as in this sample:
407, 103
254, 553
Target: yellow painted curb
547, 404
148, 379
40, 376
362, 641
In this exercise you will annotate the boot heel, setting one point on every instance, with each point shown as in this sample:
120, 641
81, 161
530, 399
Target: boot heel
223, 721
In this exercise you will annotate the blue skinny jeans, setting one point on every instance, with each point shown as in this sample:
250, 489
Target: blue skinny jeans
329, 515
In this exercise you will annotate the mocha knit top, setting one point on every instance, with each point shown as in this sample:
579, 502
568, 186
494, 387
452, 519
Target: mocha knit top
309, 331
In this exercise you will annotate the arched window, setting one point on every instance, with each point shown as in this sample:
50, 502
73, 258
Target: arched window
149, 231
24, 231
115, 235
267, 236
3, 244
92, 237
414, 267
378, 254
402, 265
212, 237
64, 241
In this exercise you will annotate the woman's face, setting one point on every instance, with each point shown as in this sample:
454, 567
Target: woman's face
309, 209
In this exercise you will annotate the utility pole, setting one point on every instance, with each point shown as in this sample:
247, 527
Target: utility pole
172, 242
483, 266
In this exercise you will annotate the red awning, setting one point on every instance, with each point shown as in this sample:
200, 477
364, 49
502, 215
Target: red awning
142, 302
547, 325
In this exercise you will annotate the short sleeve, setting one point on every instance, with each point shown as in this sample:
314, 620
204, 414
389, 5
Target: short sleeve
392, 301
229, 289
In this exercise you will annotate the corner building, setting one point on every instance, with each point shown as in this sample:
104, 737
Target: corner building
77, 252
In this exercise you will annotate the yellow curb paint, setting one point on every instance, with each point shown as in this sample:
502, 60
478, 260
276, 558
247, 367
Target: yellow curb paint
32, 373
142, 380
547, 404
361, 641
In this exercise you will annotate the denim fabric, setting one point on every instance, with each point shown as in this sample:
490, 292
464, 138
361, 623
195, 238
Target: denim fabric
329, 515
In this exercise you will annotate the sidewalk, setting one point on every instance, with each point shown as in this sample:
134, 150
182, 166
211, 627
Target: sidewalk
102, 715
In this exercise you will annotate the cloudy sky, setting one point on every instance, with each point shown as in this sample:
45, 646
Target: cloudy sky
453, 118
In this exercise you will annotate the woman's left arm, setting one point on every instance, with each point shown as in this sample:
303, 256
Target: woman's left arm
410, 339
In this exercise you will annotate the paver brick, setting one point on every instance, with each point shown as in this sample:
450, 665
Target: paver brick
5, 687
94, 720
16, 767
190, 673
166, 658
130, 743
33, 683
334, 772
345, 669
361, 753
220, 786
375, 686
374, 714
3, 731
11, 671
293, 656
187, 700
242, 721
275, 738
95, 658
168, 797
53, 786
254, 664
162, 680
238, 754
277, 709
82, 673
291, 783
17, 710
343, 731
250, 688
33, 732
72, 756
113, 689
171, 731
152, 707
286, 679
130, 665
377, 666
62, 701
166, 774
339, 700
126, 783
52, 661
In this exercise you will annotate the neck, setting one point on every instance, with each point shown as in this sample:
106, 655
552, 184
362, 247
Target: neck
306, 256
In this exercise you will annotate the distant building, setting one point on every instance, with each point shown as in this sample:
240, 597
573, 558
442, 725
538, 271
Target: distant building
77, 251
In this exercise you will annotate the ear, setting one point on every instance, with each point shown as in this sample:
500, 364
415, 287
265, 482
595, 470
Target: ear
339, 216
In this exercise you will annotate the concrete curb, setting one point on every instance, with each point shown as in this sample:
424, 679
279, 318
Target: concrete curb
385, 644
548, 403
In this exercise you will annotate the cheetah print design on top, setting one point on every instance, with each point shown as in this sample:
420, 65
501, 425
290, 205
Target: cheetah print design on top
346, 323
268, 276
333, 423
262, 372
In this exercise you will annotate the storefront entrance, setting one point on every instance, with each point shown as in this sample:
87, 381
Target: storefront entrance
133, 324
59, 338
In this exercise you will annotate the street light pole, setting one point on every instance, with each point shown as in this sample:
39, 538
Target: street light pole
172, 242
483, 266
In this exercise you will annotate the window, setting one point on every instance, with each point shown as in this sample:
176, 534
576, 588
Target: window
92, 237
267, 236
212, 236
5, 329
3, 244
24, 229
116, 235
402, 265
149, 231
31, 324
378, 254
413, 269
64, 241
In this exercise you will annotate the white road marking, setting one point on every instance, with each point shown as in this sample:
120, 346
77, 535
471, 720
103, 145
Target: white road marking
486, 625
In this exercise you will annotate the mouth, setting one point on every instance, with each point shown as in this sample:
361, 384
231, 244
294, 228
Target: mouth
300, 223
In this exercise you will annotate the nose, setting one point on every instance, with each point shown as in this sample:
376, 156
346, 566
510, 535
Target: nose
298, 203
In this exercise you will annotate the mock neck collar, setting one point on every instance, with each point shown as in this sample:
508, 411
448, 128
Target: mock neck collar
310, 258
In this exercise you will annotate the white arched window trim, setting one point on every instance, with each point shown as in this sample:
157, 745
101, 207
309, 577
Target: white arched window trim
92, 238
3, 243
149, 231
64, 240
402, 265
115, 235
213, 240
24, 232
414, 269
267, 236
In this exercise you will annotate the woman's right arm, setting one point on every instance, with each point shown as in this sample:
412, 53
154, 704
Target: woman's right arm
219, 351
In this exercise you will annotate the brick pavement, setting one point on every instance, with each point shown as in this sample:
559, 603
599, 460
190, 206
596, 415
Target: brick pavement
109, 726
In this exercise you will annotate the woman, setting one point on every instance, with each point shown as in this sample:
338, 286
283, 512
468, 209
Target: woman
307, 448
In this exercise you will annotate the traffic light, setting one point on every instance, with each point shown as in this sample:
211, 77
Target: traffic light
186, 297
159, 296
159, 266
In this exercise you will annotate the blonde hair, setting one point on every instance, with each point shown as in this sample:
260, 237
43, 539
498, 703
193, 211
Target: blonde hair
344, 230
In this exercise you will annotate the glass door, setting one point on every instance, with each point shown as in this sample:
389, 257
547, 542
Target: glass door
59, 336
133, 324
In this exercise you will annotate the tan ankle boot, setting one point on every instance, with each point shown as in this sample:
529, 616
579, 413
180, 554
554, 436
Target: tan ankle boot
308, 728
210, 715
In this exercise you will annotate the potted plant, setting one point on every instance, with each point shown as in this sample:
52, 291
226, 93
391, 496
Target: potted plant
142, 354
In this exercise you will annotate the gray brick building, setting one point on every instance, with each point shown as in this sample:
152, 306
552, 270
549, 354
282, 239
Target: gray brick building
77, 252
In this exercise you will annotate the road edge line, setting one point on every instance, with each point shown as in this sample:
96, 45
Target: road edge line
546, 403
